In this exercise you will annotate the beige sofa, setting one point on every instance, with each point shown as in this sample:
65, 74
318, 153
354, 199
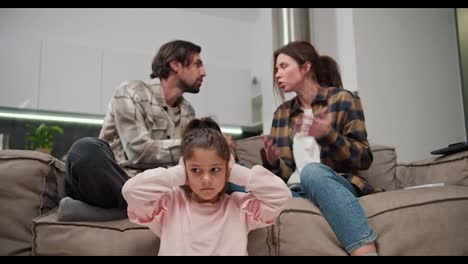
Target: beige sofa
419, 221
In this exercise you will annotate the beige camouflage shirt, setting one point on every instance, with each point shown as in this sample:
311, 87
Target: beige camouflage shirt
142, 132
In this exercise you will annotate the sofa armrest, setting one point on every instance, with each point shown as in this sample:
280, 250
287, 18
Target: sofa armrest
32, 184
450, 170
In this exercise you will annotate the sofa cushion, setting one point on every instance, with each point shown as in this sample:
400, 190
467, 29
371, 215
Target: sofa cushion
424, 221
111, 238
450, 170
119, 237
259, 241
248, 151
302, 230
382, 172
32, 184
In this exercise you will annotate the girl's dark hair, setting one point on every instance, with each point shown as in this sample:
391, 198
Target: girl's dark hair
178, 50
324, 69
204, 133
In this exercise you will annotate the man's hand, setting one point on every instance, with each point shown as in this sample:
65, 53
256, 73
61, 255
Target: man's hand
271, 151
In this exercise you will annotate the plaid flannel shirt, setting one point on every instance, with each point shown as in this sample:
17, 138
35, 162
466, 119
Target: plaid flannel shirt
139, 129
345, 148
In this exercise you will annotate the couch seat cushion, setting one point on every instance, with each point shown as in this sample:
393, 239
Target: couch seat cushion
53, 237
121, 237
424, 221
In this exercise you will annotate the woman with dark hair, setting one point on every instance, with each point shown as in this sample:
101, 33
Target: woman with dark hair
318, 143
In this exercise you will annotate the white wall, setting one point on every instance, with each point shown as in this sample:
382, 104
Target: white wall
124, 35
139, 30
325, 29
334, 36
407, 75
346, 47
262, 37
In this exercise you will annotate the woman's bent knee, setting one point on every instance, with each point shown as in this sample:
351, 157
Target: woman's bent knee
314, 170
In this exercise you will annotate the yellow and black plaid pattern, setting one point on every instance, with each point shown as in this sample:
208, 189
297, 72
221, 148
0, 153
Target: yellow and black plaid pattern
345, 148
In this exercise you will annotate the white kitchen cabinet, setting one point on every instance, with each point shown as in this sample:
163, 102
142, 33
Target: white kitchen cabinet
19, 72
70, 78
120, 66
58, 76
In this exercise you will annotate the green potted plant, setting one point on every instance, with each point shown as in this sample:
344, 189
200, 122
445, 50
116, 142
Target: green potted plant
40, 138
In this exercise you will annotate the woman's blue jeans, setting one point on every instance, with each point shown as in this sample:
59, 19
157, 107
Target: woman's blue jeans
336, 198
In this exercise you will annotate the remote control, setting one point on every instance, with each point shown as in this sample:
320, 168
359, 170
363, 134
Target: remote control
452, 148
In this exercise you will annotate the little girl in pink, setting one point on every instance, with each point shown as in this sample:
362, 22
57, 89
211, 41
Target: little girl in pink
186, 206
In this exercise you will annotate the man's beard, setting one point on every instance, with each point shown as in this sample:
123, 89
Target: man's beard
189, 88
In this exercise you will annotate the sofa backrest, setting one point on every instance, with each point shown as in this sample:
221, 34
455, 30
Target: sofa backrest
381, 174
449, 169
248, 150
32, 184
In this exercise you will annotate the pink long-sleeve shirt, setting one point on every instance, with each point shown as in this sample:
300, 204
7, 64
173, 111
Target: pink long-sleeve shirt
186, 227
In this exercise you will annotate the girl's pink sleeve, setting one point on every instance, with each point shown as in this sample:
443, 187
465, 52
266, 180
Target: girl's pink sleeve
268, 195
149, 193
